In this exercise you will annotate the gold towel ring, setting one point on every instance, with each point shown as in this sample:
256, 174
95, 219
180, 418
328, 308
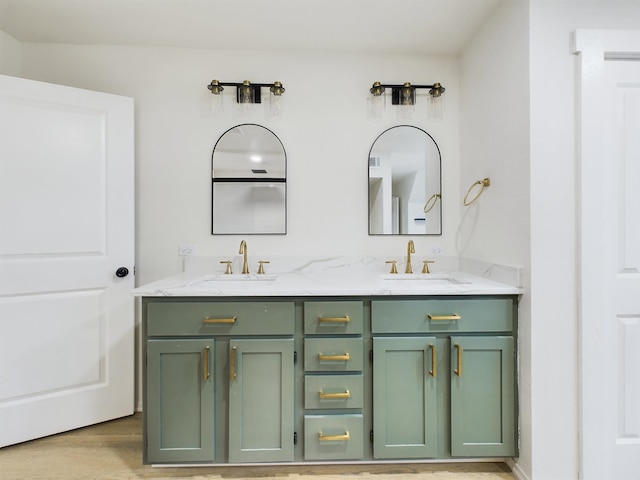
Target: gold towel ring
431, 202
484, 183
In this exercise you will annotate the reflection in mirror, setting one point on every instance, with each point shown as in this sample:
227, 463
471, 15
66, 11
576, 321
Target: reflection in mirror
249, 182
404, 183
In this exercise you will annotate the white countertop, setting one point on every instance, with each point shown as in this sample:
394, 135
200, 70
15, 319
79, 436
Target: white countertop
329, 277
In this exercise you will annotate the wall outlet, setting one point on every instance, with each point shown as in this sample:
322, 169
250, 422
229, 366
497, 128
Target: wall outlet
186, 250
437, 251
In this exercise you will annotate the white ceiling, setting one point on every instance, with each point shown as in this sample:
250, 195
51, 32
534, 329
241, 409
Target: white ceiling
392, 26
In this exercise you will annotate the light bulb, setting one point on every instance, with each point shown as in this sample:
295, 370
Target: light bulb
246, 94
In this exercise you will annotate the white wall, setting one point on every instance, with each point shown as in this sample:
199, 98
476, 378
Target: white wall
495, 143
10, 55
554, 244
325, 133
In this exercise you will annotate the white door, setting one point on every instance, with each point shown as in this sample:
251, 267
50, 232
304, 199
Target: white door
66, 226
610, 253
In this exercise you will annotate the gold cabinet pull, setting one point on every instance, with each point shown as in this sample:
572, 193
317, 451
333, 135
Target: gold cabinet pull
453, 316
458, 371
340, 395
344, 319
334, 358
205, 363
432, 372
220, 320
232, 364
334, 438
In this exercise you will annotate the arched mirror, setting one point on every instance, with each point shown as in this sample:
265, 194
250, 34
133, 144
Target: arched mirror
249, 182
404, 183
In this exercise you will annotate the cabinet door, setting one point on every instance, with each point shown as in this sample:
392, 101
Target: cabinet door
179, 401
261, 400
482, 396
404, 397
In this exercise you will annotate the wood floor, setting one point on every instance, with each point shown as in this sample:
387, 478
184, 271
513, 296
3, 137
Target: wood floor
112, 451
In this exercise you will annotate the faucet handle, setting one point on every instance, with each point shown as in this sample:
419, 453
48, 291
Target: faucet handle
425, 267
261, 266
227, 270
394, 269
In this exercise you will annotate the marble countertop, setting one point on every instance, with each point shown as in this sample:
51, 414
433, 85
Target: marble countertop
329, 277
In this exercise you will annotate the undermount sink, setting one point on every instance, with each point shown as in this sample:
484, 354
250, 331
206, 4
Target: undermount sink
224, 278
426, 278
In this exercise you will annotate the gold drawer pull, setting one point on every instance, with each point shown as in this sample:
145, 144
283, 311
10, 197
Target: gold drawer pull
334, 438
324, 396
334, 358
344, 319
220, 320
455, 316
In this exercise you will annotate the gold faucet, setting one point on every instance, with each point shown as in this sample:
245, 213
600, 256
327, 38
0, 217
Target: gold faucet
410, 249
243, 250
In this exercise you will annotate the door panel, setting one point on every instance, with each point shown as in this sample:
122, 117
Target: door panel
180, 400
66, 225
79, 335
405, 393
482, 397
261, 400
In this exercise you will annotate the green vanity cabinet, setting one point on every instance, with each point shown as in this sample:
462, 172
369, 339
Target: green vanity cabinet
261, 400
179, 406
239, 380
444, 377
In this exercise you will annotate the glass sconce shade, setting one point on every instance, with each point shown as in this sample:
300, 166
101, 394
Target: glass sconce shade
435, 107
407, 94
216, 103
405, 112
376, 105
276, 105
276, 100
436, 102
246, 93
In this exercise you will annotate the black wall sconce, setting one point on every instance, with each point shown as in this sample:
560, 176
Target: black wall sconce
248, 93
405, 96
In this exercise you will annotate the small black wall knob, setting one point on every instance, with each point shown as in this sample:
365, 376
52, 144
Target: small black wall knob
122, 272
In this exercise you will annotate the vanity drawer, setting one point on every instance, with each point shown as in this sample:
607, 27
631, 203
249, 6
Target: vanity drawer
442, 315
220, 318
333, 437
333, 391
333, 317
333, 354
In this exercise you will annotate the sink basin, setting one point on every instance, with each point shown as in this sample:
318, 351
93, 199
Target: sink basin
212, 280
421, 278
